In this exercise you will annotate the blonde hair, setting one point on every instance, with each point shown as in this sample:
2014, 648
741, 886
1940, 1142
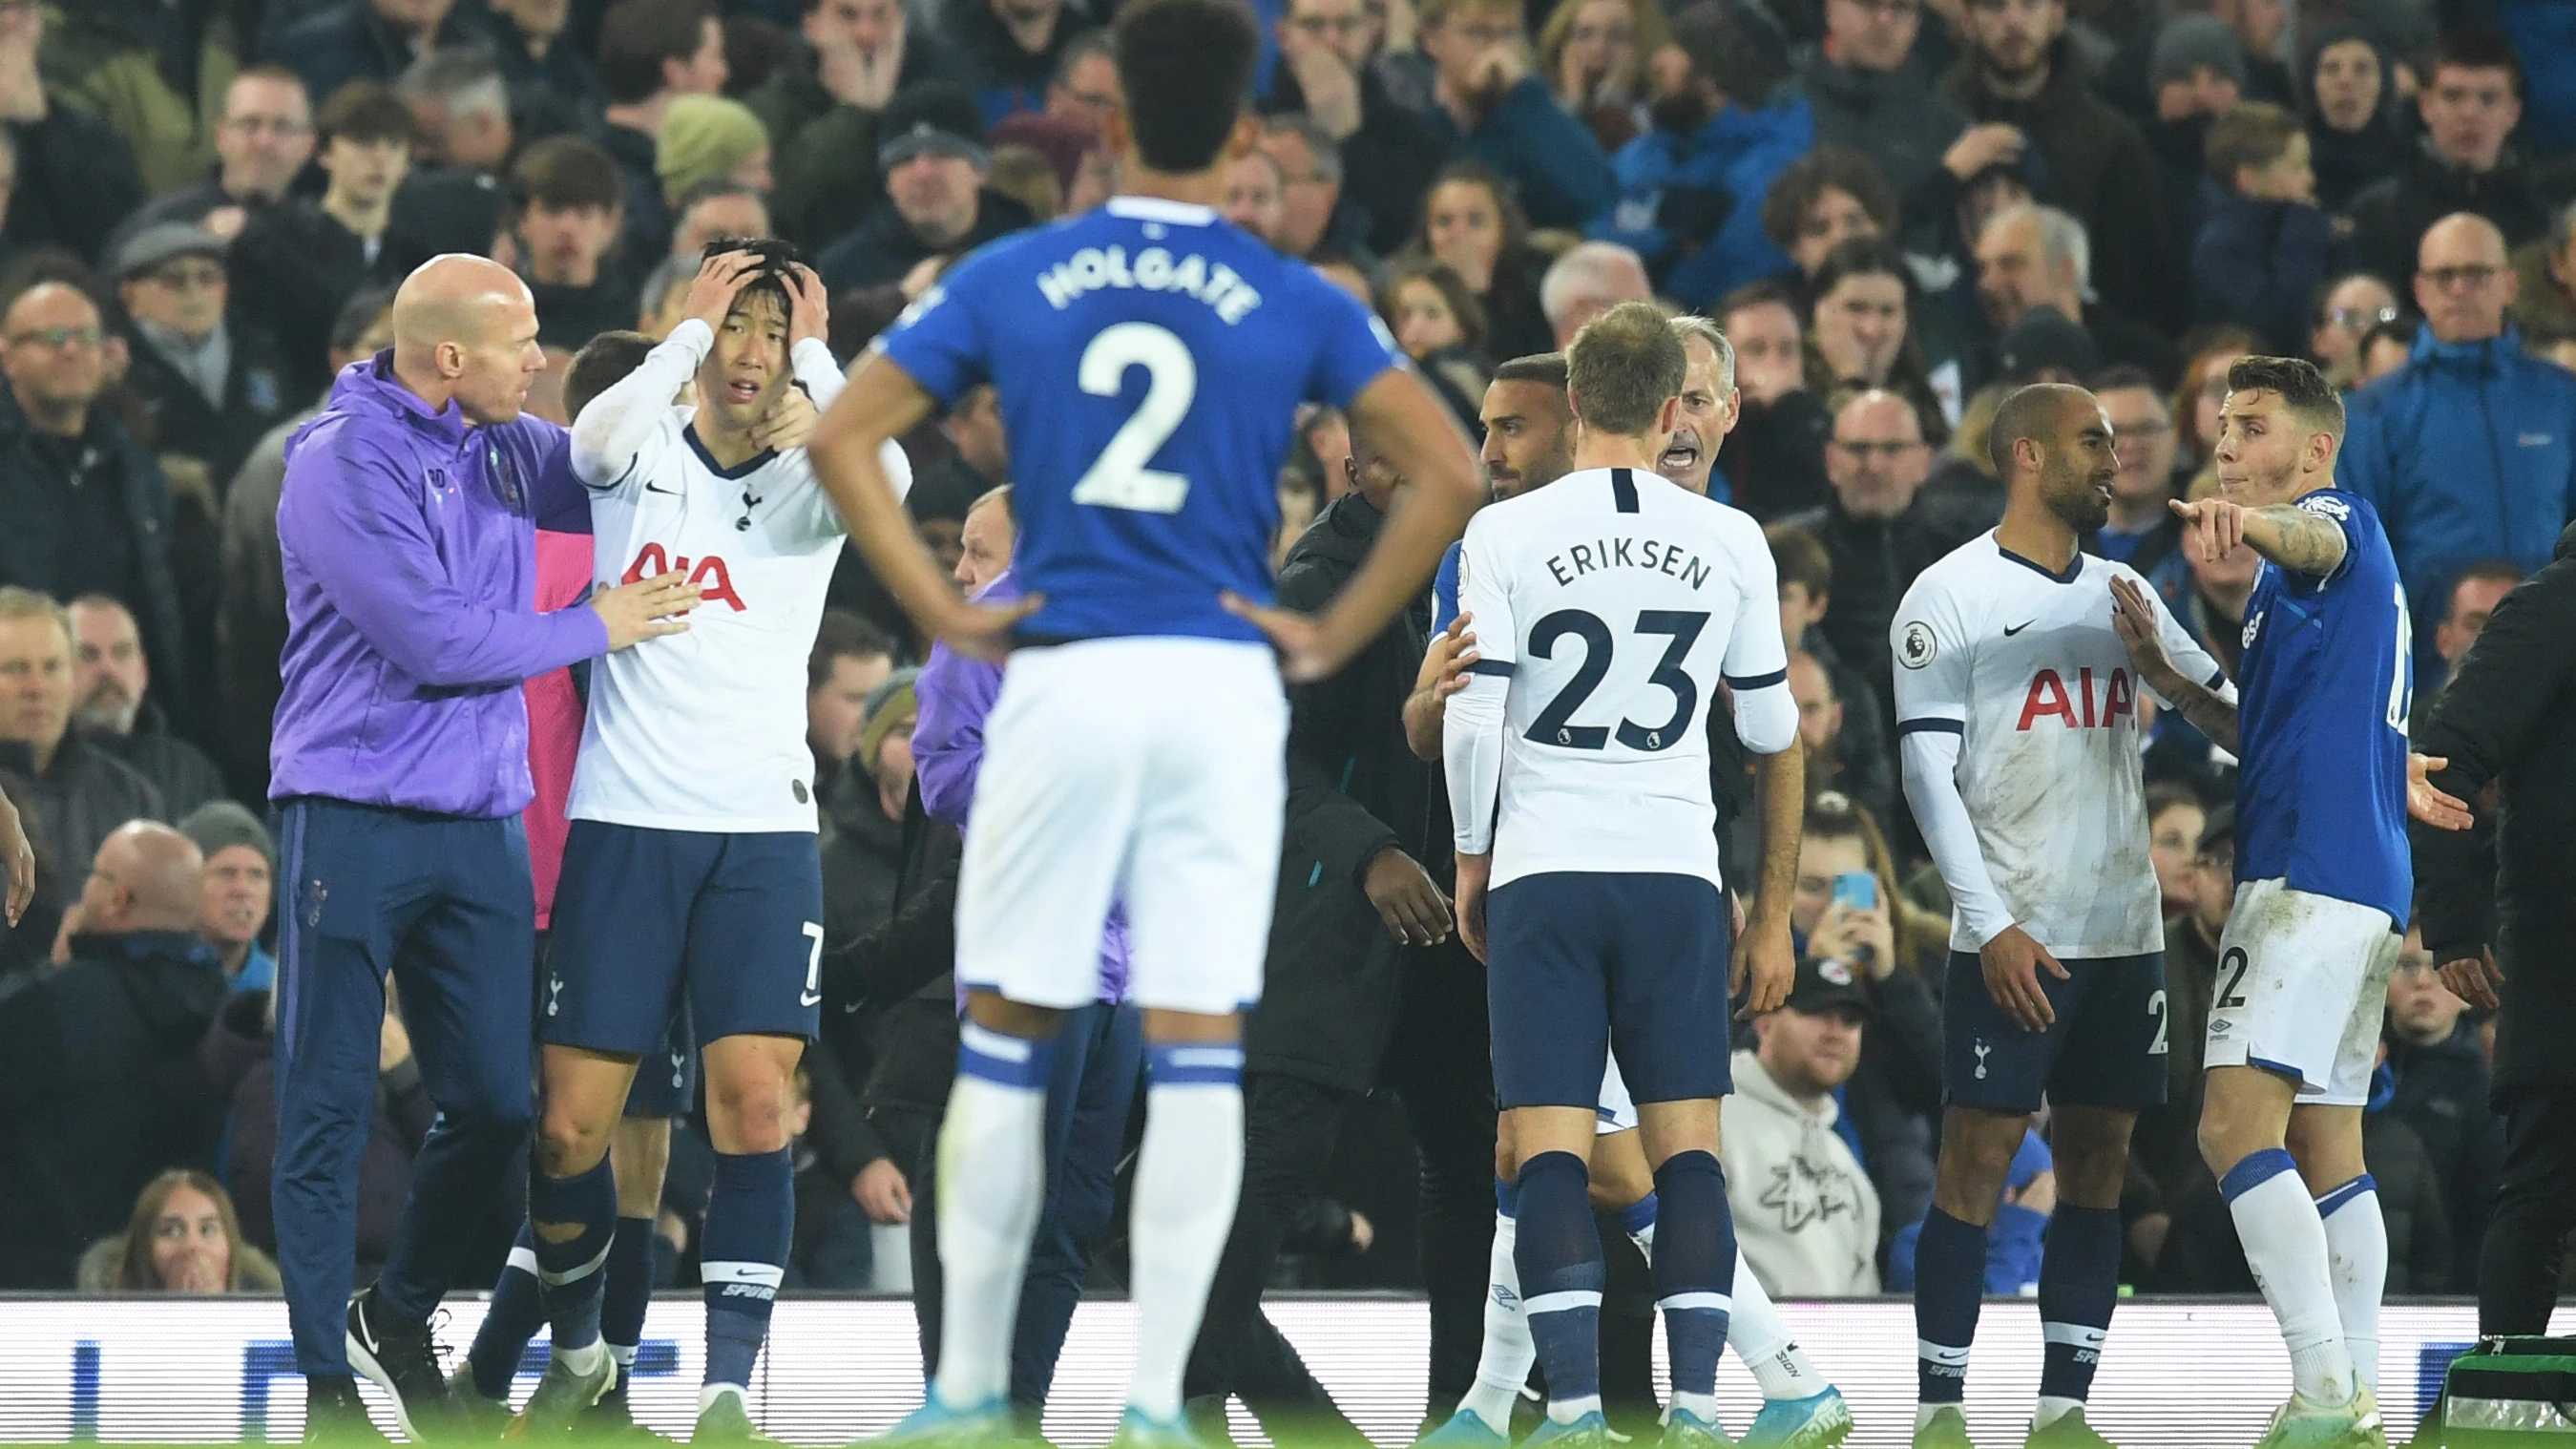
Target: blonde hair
1653, 33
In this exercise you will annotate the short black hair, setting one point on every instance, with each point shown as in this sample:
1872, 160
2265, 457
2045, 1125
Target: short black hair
1185, 67
2121, 375
365, 307
638, 35
560, 173
1828, 167
841, 635
2027, 412
1861, 256
601, 364
363, 111
1547, 369
2301, 386
778, 263
2475, 47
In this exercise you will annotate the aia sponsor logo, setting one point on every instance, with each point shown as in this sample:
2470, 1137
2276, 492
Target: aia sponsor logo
2083, 706
707, 575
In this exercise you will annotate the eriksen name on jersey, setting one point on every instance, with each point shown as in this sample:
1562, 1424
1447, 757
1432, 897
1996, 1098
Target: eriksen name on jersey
1657, 555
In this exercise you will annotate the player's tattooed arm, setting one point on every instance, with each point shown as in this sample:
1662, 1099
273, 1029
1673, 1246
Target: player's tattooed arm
2296, 538
2134, 617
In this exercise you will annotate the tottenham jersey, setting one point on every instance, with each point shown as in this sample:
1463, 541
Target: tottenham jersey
705, 730
2328, 681
2025, 666
1150, 358
1616, 603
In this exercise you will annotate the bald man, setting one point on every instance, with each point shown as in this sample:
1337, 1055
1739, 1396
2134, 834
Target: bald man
2469, 450
89, 1112
399, 766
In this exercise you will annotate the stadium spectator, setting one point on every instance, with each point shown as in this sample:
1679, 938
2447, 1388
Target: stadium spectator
1085, 84
183, 1238
834, 1247
2265, 246
2385, 349
88, 508
2201, 392
101, 1091
263, 139
2166, 1174
1806, 1216
71, 178
2212, 603
930, 149
652, 52
2545, 299
2021, 70
143, 81
1593, 53
1436, 321
2039, 256
2413, 1200
1869, 93
851, 657
460, 110
2469, 451
1470, 221
2347, 309
240, 890
1256, 194
1009, 49
553, 83
1590, 279
208, 381
2176, 818
863, 836
113, 707
2143, 531
979, 462
710, 210
571, 200
2474, 596
1388, 151
2044, 346
1860, 332
709, 139
1825, 198
2509, 717
1877, 527
1773, 459
2196, 73
2434, 1052
250, 625
372, 40
1315, 218
1488, 105
2470, 103
1832, 761
2352, 98
1723, 127
1806, 575
295, 263
820, 107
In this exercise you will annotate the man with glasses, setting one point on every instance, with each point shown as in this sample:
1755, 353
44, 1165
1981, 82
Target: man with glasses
2142, 532
1312, 218
263, 140
1488, 103
2347, 309
1389, 151
210, 383
1869, 95
2470, 105
1879, 529
88, 507
2469, 451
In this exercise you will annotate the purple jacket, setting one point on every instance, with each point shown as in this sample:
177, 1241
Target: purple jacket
953, 696
409, 545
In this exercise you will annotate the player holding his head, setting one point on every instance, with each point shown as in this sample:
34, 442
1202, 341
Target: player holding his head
690, 870
2324, 876
1612, 605
2018, 709
1149, 360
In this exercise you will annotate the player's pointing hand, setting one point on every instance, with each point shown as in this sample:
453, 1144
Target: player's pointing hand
2217, 526
2012, 961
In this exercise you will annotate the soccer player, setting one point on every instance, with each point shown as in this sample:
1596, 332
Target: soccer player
690, 871
2018, 709
1149, 359
1588, 846
2324, 876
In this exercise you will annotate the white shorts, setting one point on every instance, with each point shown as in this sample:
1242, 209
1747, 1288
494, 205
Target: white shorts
1617, 1112
1148, 771
2302, 986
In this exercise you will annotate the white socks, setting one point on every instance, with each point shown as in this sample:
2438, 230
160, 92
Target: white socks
1760, 1337
1509, 1352
1188, 1174
2285, 1245
2357, 1254
992, 1183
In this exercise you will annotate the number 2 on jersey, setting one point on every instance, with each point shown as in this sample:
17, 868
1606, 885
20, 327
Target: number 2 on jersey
1118, 478
1554, 723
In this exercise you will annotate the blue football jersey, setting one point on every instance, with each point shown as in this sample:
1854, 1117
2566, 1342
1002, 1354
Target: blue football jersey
1149, 358
2323, 695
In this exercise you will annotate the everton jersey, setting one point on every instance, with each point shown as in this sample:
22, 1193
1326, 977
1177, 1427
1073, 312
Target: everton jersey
1149, 359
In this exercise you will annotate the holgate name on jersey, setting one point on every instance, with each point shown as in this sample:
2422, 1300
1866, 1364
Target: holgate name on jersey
1094, 268
708, 575
1653, 555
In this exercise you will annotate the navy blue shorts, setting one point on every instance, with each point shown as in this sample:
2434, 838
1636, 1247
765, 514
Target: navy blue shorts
1582, 963
666, 1079
2107, 1047
649, 921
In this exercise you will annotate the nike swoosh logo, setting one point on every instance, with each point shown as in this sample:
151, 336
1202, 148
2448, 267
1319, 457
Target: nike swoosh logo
2017, 628
658, 488
808, 998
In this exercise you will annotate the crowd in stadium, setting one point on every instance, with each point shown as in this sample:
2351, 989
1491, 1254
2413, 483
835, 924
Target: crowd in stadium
1894, 210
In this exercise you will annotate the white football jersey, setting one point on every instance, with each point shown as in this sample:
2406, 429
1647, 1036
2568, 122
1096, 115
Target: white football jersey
1616, 603
705, 730
2025, 666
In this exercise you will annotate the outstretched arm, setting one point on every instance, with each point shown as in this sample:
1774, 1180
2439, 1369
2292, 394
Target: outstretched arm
2302, 540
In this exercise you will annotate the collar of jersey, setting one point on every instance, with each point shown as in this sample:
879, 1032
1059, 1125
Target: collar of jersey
2074, 566
1155, 208
743, 469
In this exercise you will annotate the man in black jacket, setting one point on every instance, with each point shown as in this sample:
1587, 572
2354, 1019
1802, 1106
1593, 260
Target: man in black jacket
1387, 152
2440, 1065
2470, 103
210, 380
102, 1088
930, 148
2500, 925
77, 792
1361, 922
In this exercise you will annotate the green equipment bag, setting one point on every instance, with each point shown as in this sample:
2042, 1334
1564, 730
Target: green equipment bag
2506, 1392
